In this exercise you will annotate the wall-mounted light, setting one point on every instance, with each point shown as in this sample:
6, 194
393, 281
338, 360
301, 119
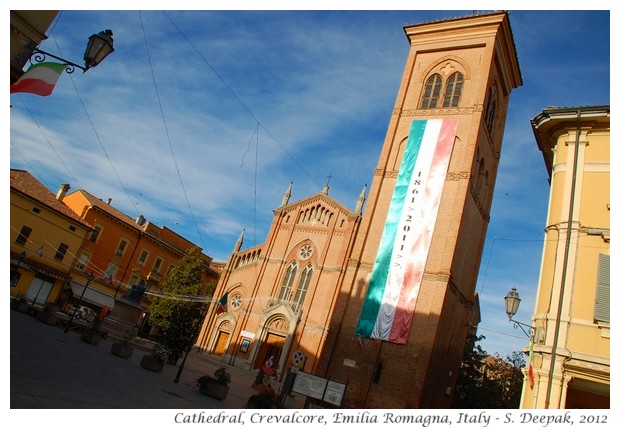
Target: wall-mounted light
511, 303
99, 46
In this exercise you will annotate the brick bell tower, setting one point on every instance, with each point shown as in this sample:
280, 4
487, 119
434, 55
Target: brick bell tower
408, 295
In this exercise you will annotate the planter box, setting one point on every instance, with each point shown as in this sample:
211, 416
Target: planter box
121, 350
91, 337
152, 364
214, 390
21, 306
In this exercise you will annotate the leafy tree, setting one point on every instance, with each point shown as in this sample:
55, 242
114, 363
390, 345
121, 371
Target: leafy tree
487, 381
177, 317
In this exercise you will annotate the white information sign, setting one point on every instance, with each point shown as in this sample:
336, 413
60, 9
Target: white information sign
309, 385
334, 392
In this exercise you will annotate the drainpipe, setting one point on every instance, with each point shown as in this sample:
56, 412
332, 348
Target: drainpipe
566, 261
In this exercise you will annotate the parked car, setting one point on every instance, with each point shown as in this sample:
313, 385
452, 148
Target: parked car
82, 312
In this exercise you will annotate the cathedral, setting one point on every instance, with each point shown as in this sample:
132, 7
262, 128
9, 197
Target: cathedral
381, 298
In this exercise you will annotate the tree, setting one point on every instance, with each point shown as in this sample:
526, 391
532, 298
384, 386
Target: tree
176, 313
488, 381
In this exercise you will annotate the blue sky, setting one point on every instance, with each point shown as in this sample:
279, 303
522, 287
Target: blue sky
200, 120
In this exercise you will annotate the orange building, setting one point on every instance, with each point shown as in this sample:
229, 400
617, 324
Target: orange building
122, 252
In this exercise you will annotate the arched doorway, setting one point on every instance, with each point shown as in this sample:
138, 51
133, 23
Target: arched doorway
222, 339
273, 344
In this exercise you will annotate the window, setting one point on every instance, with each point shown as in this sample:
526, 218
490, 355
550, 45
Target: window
132, 280
432, 90
143, 257
453, 90
287, 284
302, 287
82, 262
157, 265
61, 251
491, 106
36, 210
122, 246
435, 94
111, 271
601, 303
94, 236
22, 238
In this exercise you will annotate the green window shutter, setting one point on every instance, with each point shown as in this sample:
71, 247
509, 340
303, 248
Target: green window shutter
601, 305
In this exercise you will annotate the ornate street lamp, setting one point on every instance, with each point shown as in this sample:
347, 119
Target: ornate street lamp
511, 302
99, 46
89, 279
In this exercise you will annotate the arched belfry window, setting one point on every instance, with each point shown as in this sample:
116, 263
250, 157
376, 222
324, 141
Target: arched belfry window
287, 283
302, 287
491, 107
432, 91
454, 86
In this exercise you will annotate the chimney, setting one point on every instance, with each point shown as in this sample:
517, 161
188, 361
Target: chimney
62, 191
140, 220
109, 201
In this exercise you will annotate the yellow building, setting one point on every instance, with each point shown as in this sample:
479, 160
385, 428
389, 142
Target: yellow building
46, 237
571, 360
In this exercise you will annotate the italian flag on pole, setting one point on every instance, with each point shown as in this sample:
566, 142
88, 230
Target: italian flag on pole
39, 79
401, 259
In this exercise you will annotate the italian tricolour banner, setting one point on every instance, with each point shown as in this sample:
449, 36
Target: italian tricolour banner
399, 266
39, 79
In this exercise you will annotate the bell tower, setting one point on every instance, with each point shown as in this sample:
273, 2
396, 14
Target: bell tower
408, 295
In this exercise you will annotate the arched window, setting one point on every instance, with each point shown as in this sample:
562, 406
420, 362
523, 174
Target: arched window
287, 284
481, 177
454, 86
302, 287
491, 106
432, 90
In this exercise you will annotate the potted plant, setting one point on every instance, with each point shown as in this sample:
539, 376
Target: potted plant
265, 398
156, 360
216, 386
123, 348
92, 334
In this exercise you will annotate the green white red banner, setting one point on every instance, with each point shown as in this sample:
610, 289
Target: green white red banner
401, 259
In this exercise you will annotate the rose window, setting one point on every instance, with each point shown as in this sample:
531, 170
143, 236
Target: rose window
306, 251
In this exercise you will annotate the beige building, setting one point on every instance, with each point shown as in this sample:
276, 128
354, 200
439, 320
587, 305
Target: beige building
571, 319
454, 92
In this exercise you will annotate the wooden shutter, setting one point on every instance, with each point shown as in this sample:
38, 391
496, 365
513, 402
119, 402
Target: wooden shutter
601, 305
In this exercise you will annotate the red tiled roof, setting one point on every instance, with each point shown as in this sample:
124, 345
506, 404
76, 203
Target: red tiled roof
26, 184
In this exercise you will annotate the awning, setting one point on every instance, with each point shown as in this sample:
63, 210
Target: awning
91, 295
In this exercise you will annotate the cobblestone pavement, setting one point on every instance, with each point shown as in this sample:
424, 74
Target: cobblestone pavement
51, 369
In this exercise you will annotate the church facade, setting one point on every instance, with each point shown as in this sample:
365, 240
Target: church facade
382, 302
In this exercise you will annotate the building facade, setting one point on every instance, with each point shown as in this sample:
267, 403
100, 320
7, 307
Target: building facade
279, 295
571, 341
46, 237
123, 252
456, 84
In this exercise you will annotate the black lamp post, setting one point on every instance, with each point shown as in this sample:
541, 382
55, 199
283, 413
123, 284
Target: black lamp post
15, 275
511, 302
203, 311
99, 46
89, 279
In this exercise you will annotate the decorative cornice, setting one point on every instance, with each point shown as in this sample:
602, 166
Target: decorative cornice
438, 112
